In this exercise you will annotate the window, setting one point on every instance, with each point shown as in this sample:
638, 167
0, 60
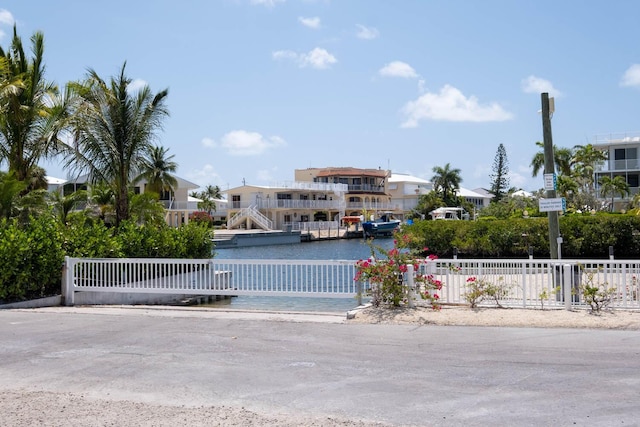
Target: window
235, 201
632, 180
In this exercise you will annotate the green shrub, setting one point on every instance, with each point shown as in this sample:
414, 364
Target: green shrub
85, 237
31, 257
583, 237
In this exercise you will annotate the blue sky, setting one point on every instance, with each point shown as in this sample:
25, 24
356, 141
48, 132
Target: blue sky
258, 88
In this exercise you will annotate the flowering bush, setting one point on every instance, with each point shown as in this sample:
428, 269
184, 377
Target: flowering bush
201, 217
386, 270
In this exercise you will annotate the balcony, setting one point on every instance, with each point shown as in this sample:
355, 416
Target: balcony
291, 204
619, 165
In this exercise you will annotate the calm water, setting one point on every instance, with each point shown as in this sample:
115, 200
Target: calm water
349, 249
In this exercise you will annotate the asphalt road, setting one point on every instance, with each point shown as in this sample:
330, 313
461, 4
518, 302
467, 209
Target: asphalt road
401, 374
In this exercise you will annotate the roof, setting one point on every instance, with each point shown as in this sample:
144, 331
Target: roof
52, 180
348, 171
463, 192
400, 177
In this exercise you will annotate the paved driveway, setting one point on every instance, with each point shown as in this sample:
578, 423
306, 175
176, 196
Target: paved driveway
405, 375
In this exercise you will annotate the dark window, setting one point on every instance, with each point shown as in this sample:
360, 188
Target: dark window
632, 180
619, 154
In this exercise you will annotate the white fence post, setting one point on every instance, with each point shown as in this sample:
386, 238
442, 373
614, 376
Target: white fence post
67, 282
411, 286
568, 285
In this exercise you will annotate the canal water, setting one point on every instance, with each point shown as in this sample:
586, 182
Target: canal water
342, 249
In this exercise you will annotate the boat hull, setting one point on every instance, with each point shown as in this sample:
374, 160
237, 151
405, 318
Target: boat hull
380, 228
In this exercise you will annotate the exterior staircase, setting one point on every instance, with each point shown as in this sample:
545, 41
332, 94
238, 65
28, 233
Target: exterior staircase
248, 216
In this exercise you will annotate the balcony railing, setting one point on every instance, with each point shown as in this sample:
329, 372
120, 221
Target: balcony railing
619, 165
291, 204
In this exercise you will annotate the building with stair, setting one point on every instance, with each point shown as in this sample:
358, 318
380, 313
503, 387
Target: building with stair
285, 206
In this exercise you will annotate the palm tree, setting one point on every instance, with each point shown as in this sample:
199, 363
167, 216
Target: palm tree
32, 115
561, 158
10, 189
613, 186
445, 183
113, 130
64, 205
156, 169
208, 197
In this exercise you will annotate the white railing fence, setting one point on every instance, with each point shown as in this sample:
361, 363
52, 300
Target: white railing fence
303, 278
538, 283
521, 283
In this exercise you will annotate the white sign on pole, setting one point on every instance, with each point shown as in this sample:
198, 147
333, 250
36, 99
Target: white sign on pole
550, 205
549, 181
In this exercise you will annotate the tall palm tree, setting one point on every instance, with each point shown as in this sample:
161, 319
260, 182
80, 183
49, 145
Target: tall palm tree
156, 169
33, 115
445, 183
113, 130
561, 158
612, 187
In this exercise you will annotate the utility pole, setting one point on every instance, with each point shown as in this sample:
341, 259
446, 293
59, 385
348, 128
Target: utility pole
549, 167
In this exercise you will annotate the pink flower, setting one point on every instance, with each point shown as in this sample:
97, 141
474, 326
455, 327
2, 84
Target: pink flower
471, 279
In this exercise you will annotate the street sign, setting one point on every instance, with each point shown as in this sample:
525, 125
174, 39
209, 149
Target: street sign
550, 205
550, 181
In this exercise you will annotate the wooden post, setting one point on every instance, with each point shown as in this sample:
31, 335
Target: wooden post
549, 167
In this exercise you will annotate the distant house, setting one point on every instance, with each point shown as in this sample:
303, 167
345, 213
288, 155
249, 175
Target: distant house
367, 189
623, 160
478, 199
176, 203
405, 191
289, 205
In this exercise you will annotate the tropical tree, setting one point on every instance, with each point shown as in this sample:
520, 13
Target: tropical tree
446, 182
10, 189
585, 160
64, 205
208, 198
113, 129
33, 115
561, 158
500, 176
427, 203
612, 187
157, 169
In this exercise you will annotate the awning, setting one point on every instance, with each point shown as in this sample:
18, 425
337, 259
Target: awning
351, 219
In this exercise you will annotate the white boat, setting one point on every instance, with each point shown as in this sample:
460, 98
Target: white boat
446, 213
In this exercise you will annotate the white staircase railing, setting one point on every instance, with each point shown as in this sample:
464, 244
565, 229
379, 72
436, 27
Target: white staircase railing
254, 214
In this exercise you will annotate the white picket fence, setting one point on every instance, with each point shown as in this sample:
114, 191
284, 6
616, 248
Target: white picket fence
523, 283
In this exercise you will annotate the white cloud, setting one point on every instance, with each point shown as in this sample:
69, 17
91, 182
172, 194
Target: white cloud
366, 33
6, 17
136, 85
533, 84
268, 3
310, 22
266, 175
631, 77
317, 58
243, 143
451, 105
208, 142
207, 174
398, 69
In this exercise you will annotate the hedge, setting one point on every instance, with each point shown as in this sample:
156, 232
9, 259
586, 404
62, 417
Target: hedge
583, 237
32, 254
